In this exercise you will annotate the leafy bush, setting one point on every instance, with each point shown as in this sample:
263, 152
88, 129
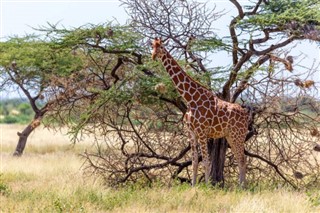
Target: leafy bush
15, 111
10, 119
314, 198
4, 188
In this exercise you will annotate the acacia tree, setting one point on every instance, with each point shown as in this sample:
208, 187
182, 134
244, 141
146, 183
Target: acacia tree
136, 114
259, 38
28, 64
129, 89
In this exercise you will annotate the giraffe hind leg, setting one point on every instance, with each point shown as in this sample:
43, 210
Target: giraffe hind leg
242, 169
237, 148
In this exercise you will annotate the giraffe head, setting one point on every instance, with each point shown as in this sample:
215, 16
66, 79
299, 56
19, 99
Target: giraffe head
156, 48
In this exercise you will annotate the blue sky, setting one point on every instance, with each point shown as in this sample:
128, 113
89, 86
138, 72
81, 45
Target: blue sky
18, 16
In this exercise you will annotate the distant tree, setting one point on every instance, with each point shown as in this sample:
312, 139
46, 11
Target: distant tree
25, 108
15, 108
28, 65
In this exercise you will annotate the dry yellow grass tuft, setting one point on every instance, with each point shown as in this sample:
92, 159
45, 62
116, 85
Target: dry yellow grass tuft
51, 180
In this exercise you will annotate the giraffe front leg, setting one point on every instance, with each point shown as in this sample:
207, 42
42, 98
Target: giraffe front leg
195, 158
205, 157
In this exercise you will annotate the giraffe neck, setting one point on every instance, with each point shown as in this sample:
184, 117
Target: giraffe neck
187, 87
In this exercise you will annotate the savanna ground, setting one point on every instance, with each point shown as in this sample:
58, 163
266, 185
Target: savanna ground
49, 178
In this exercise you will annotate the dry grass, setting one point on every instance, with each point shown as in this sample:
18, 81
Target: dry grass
48, 178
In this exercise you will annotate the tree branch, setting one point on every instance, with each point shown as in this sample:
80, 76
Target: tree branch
272, 47
243, 84
272, 165
25, 91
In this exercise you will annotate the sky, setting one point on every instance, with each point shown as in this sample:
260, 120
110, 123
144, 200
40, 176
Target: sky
17, 17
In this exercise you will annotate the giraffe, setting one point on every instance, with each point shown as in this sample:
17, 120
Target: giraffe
207, 116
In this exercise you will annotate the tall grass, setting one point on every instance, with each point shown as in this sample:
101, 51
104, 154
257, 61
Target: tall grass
49, 178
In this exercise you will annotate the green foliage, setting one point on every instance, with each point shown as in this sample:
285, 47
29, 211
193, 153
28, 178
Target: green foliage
61, 205
147, 87
34, 57
280, 12
113, 37
15, 111
36, 62
213, 44
10, 119
25, 108
314, 197
4, 188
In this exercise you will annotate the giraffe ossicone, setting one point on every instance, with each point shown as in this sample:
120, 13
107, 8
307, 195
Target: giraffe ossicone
207, 116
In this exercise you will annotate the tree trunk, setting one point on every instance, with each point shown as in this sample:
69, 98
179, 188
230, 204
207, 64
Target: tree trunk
217, 154
23, 136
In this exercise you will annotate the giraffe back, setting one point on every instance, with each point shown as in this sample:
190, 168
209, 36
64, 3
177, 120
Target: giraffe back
216, 118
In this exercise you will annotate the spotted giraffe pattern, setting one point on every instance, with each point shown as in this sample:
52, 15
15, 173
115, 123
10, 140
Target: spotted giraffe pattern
207, 115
